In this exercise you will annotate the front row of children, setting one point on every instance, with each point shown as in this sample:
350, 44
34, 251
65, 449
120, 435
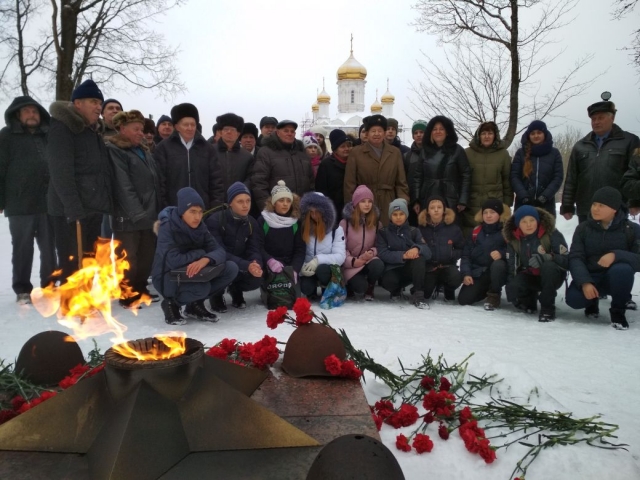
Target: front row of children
523, 252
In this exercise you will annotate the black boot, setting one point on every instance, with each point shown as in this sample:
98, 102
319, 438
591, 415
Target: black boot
618, 319
172, 312
593, 310
198, 311
237, 299
547, 314
218, 303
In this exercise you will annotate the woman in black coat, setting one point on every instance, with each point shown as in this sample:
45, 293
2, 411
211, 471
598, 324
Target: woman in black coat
136, 191
445, 169
537, 171
330, 177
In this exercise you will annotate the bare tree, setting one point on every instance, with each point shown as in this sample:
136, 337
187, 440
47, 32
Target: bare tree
565, 142
622, 9
107, 40
491, 45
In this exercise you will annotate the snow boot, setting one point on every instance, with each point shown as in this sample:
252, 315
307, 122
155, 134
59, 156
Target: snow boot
218, 303
396, 295
618, 319
172, 313
368, 295
492, 302
547, 314
449, 294
525, 305
23, 299
419, 301
631, 305
237, 299
593, 310
198, 311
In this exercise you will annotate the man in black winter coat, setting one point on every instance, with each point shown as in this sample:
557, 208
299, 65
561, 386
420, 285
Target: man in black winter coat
239, 234
80, 187
236, 163
599, 159
24, 179
186, 159
604, 257
330, 177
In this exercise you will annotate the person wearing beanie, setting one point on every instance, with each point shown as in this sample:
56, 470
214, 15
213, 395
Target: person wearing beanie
80, 189
412, 160
24, 179
324, 243
186, 159
312, 148
238, 233
164, 128
235, 163
184, 242
404, 253
362, 133
136, 194
604, 257
330, 177
281, 157
377, 165
483, 265
362, 268
391, 136
321, 135
491, 165
249, 138
267, 128
445, 169
110, 108
537, 171
443, 236
537, 259
599, 159
282, 248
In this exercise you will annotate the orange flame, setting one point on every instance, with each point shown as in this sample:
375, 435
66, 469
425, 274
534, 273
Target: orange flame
83, 303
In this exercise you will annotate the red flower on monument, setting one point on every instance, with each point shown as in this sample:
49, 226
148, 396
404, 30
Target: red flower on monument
405, 416
384, 408
422, 443
376, 418
276, 317
229, 345
333, 365
217, 352
349, 370
402, 443
302, 309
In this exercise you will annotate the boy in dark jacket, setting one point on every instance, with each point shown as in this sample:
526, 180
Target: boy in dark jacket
483, 264
538, 259
605, 254
444, 238
239, 234
183, 240
404, 254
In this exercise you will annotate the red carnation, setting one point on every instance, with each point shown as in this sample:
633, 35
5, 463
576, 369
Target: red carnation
246, 351
276, 317
95, 370
445, 384
302, 308
68, 381
79, 369
333, 365
384, 408
402, 443
46, 395
429, 418
6, 415
17, 402
422, 443
405, 416
427, 383
25, 406
349, 370
376, 418
217, 352
440, 403
228, 345
465, 415
443, 431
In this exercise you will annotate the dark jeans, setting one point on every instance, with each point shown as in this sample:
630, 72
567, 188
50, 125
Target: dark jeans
448, 276
524, 287
245, 282
23, 229
617, 281
140, 247
369, 275
67, 245
492, 280
192, 292
411, 272
309, 285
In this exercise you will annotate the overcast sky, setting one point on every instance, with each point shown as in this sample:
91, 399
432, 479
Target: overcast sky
268, 58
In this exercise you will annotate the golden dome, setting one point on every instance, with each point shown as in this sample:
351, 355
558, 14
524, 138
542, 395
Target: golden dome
323, 97
387, 97
315, 107
376, 107
352, 70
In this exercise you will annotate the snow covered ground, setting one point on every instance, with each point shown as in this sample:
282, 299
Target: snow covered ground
577, 365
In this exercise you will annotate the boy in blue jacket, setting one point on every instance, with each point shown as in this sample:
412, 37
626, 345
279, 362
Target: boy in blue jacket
184, 241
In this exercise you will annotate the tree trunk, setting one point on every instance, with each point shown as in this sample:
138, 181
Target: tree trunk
515, 76
67, 35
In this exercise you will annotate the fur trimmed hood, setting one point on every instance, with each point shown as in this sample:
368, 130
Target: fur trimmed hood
452, 137
506, 214
67, 114
424, 218
273, 142
322, 204
347, 212
295, 206
497, 144
123, 143
547, 222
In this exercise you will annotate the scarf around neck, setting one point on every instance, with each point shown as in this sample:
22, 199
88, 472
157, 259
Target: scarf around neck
276, 221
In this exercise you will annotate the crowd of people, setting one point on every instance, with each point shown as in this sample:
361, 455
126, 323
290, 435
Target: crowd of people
225, 214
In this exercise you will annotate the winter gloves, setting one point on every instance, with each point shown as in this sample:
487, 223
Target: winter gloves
274, 265
309, 268
537, 259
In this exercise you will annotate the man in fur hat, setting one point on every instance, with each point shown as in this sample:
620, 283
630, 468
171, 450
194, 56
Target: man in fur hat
79, 188
236, 164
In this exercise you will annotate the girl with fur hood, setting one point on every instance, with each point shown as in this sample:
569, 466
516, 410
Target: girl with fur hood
280, 221
537, 256
404, 254
444, 238
362, 268
324, 245
537, 171
483, 264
